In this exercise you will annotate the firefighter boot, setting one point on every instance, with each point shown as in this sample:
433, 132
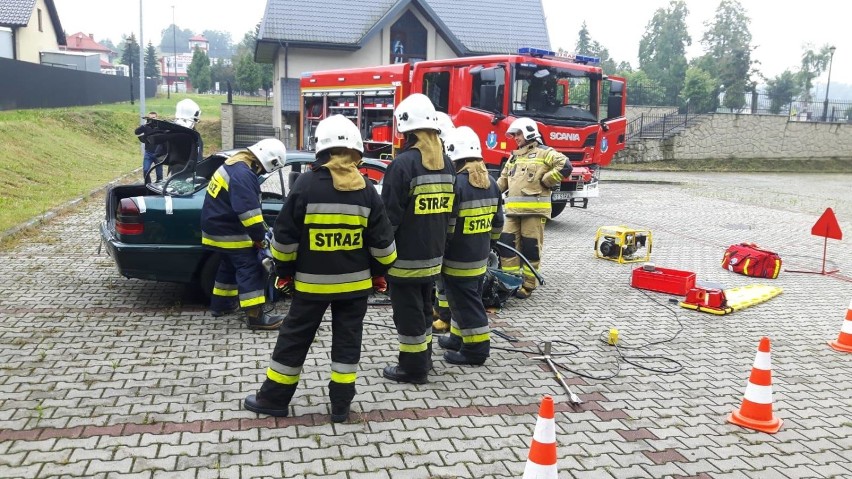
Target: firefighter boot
450, 342
264, 406
440, 326
396, 373
256, 318
523, 293
455, 357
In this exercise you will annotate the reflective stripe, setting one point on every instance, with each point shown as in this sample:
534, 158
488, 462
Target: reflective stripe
418, 263
478, 203
385, 256
333, 283
462, 268
333, 278
758, 394
477, 338
343, 378
763, 361
227, 242
428, 179
343, 373
442, 303
433, 188
283, 252
223, 173
222, 289
284, 369
495, 236
335, 219
281, 378
252, 298
527, 201
414, 344
480, 211
251, 217
414, 273
338, 208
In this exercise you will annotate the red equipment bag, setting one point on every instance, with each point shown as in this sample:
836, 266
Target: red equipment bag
750, 260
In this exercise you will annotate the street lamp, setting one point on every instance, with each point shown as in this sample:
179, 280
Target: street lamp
168, 69
174, 46
828, 84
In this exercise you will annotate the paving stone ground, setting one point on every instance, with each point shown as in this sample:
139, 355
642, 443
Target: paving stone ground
108, 377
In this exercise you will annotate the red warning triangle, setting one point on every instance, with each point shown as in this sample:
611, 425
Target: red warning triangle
827, 226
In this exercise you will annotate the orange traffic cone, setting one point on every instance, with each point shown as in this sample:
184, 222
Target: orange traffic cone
844, 339
756, 410
541, 462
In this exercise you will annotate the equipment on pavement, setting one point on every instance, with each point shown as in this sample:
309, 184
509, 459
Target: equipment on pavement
546, 357
718, 301
756, 409
623, 244
750, 260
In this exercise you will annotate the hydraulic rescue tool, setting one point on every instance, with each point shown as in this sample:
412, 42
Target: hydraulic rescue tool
549, 360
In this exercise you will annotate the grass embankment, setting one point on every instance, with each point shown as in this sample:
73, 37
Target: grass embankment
51, 156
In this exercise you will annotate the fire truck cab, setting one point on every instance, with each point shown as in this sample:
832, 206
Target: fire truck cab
579, 110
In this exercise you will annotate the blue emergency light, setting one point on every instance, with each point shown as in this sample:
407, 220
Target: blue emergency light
535, 52
586, 60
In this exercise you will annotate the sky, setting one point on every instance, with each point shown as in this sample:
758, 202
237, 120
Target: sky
779, 28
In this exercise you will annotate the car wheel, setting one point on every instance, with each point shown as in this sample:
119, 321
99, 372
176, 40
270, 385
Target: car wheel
207, 275
556, 208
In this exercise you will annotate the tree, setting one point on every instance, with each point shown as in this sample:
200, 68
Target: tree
813, 64
222, 73
699, 91
781, 90
584, 42
727, 45
662, 49
624, 67
247, 74
199, 71
642, 90
130, 56
221, 45
152, 68
181, 37
108, 43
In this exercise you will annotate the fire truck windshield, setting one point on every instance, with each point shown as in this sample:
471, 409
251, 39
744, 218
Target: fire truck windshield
553, 93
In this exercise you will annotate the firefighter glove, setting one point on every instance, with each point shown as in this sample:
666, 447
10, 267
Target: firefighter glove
284, 285
379, 284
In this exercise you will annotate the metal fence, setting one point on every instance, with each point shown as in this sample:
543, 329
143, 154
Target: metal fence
249, 134
251, 99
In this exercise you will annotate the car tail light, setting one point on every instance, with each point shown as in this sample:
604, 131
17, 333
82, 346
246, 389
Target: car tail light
129, 220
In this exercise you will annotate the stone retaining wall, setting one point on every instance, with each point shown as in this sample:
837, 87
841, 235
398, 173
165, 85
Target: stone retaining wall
732, 136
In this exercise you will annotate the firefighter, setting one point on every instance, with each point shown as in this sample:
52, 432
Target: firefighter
441, 311
528, 176
417, 191
187, 113
480, 220
232, 224
331, 239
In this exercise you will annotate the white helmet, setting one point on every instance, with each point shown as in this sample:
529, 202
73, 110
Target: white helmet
527, 126
445, 125
416, 113
270, 152
187, 113
463, 143
337, 131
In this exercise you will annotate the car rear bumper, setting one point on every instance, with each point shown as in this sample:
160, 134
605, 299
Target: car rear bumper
170, 263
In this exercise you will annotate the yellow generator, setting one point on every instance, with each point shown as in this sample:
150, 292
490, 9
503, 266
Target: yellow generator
623, 244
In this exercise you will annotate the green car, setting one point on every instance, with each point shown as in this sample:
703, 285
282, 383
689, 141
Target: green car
153, 231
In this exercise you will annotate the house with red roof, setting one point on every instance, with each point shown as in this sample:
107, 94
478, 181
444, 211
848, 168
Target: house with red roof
83, 43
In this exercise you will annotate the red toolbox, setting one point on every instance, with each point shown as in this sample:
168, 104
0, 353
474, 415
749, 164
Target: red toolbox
663, 280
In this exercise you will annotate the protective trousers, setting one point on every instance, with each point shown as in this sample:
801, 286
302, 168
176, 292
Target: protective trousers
469, 327
294, 340
442, 308
526, 233
240, 276
412, 315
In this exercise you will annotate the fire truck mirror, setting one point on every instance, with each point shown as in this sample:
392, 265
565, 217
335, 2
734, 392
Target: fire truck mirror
615, 100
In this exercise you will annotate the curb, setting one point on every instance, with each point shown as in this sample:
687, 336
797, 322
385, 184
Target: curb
67, 206
645, 182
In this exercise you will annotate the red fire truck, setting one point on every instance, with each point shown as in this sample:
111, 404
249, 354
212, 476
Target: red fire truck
579, 110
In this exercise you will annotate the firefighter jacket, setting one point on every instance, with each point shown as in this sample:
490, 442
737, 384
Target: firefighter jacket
528, 176
231, 218
480, 220
331, 242
419, 203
